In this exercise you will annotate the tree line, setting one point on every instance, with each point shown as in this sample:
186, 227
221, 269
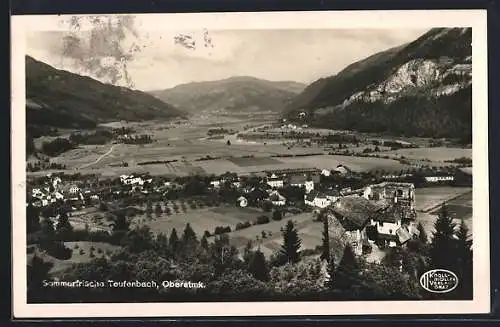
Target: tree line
231, 275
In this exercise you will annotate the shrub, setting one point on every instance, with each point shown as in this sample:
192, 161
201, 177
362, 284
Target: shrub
99, 250
262, 220
243, 225
59, 251
277, 215
82, 252
222, 230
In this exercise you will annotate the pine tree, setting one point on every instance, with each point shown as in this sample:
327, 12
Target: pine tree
47, 233
442, 245
158, 210
149, 209
422, 236
464, 261
173, 241
247, 252
331, 270
64, 227
346, 277
325, 248
189, 236
258, 266
162, 242
291, 243
204, 242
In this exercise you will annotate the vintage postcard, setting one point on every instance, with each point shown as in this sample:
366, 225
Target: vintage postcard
243, 164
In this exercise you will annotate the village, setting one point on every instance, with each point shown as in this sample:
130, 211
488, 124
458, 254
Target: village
366, 211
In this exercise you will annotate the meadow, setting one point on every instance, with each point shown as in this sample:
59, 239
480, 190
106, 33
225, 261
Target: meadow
186, 143
81, 253
429, 197
436, 154
458, 202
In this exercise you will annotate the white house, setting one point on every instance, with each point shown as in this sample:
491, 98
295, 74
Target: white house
215, 184
326, 172
435, 179
275, 182
309, 185
74, 189
317, 199
332, 195
59, 196
341, 169
242, 201
277, 199
56, 181
302, 181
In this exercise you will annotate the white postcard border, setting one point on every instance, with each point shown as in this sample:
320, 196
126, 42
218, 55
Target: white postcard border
268, 20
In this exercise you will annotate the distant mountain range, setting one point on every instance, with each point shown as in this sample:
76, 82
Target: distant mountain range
58, 98
422, 88
239, 94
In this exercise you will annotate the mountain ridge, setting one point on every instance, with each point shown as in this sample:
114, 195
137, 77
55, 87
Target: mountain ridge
428, 78
233, 94
60, 98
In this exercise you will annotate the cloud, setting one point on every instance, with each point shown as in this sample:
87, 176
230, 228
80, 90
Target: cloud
300, 55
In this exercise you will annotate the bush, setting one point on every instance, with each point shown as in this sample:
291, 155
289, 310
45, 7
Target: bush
82, 252
222, 230
99, 250
277, 215
262, 220
59, 251
243, 225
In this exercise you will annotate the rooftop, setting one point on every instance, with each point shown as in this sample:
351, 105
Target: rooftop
353, 212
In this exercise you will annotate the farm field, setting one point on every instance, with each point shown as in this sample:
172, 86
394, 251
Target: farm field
354, 163
186, 142
429, 197
199, 219
459, 207
309, 231
437, 154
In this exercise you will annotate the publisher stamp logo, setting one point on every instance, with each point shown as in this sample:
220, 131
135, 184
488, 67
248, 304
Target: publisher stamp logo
439, 281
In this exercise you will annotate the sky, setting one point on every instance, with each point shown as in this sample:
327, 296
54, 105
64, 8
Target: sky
161, 59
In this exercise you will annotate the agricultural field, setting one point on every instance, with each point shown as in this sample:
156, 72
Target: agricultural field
255, 161
91, 217
354, 163
187, 143
430, 197
199, 219
309, 232
437, 154
458, 202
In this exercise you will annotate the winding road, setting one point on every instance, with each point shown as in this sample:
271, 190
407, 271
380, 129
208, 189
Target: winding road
100, 157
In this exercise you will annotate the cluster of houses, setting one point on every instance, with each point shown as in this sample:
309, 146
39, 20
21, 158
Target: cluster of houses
55, 189
381, 214
270, 186
133, 180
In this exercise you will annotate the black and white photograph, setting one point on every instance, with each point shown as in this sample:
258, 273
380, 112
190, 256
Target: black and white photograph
262, 163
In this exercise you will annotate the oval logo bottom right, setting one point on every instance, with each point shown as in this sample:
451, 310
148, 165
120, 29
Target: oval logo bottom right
439, 281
